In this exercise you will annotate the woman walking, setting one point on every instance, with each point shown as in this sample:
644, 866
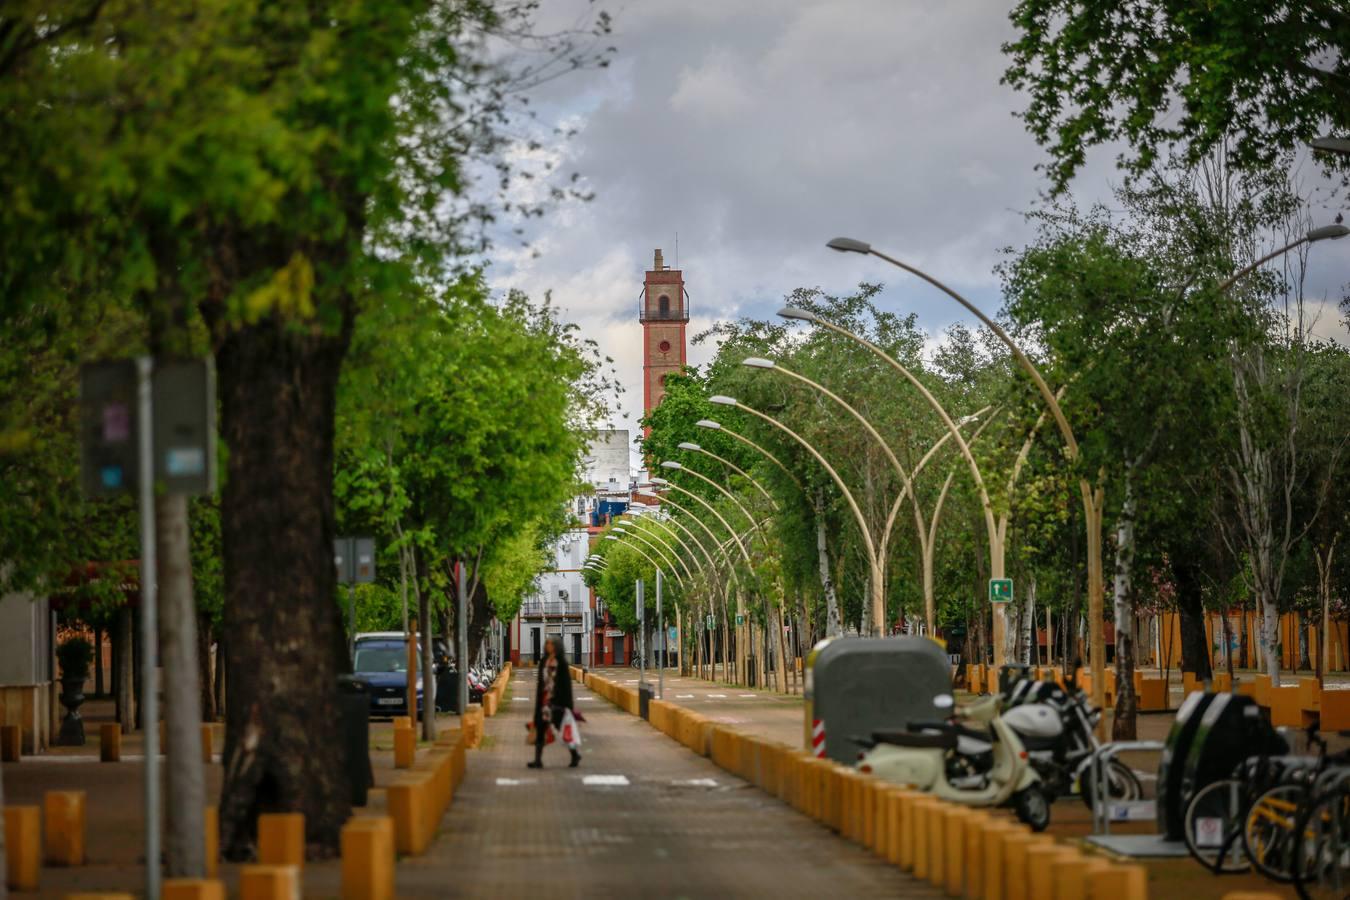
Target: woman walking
552, 699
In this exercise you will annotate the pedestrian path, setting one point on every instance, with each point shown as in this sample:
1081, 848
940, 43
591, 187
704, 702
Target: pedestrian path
641, 817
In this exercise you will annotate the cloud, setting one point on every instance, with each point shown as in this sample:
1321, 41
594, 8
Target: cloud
758, 131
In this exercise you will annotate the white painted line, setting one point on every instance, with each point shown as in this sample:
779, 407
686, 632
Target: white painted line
520, 699
512, 782
751, 696
717, 696
605, 781
695, 782
583, 698
684, 696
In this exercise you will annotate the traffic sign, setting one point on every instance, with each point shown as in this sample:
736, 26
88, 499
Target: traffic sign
740, 620
1000, 590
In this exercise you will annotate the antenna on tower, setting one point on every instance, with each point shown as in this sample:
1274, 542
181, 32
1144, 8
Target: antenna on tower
677, 249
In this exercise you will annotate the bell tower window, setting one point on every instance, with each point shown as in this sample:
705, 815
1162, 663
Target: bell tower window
663, 306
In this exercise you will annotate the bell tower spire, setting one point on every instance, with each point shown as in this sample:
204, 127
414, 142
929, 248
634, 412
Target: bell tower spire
664, 313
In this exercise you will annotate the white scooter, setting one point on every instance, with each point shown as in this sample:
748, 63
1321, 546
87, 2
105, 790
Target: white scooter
951, 761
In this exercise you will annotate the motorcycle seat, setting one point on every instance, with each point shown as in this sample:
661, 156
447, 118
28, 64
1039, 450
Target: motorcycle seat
926, 739
955, 729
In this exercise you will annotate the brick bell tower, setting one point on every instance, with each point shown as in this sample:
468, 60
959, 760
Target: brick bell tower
664, 313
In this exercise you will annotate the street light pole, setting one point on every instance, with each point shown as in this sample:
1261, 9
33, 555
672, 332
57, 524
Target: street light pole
697, 448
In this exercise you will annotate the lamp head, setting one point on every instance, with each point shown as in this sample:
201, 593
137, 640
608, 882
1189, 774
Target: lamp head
849, 245
792, 312
966, 420
757, 362
1328, 232
709, 423
655, 480
610, 537
723, 400
638, 504
690, 445
671, 464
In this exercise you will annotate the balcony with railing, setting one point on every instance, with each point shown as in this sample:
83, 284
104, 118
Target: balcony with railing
536, 607
664, 312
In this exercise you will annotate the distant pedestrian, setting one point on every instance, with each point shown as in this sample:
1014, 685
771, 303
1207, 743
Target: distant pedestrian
552, 700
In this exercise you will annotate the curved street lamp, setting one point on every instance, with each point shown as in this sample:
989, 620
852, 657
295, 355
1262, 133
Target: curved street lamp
669, 556
712, 425
698, 448
878, 587
660, 567
680, 467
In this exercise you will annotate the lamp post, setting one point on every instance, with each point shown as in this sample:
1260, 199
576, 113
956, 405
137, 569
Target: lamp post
665, 553
1325, 233
712, 425
698, 448
878, 587
680, 467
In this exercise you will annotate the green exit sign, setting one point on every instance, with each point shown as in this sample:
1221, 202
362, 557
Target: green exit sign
740, 620
1000, 590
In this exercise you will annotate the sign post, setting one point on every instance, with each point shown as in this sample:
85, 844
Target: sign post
642, 636
665, 649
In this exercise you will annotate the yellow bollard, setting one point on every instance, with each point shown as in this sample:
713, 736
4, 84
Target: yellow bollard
402, 722
991, 876
100, 897
923, 810
63, 827
368, 859
1070, 876
281, 839
937, 843
11, 743
23, 846
1040, 874
953, 849
192, 889
1015, 850
109, 742
404, 801
207, 736
405, 748
211, 825
904, 846
269, 883
1118, 882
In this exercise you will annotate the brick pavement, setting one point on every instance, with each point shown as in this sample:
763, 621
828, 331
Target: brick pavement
668, 823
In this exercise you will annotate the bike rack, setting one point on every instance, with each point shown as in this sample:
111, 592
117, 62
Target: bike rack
1101, 819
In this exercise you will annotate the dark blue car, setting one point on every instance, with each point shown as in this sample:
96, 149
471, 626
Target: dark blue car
381, 660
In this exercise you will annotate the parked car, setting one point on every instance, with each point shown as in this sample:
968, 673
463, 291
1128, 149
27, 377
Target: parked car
381, 660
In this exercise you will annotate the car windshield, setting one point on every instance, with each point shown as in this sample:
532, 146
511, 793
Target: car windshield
380, 659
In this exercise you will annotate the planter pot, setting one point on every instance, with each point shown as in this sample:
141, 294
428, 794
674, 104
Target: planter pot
72, 726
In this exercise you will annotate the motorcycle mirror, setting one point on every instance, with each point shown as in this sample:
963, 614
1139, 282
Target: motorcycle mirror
943, 701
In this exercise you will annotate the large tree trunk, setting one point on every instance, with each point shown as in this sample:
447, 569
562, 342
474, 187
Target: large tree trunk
480, 620
834, 625
1123, 728
126, 683
1187, 575
205, 682
184, 832
286, 642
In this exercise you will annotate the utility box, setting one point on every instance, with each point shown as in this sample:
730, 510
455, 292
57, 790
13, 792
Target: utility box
855, 686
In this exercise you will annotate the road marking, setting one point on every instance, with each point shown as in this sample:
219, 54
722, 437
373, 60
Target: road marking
695, 782
520, 699
512, 782
717, 696
584, 698
605, 781
684, 696
751, 696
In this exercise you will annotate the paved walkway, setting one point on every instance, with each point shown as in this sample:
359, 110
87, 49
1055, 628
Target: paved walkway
641, 817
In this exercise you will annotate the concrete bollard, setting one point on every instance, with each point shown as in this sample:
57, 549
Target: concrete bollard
404, 801
281, 839
906, 847
921, 812
991, 876
192, 889
472, 722
402, 722
23, 846
1015, 849
1040, 874
1118, 882
109, 742
211, 828
972, 851
100, 897
11, 743
405, 748
208, 735
368, 859
63, 827
937, 845
269, 883
1070, 876
954, 849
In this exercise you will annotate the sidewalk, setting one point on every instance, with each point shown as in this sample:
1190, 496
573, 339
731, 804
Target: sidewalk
641, 817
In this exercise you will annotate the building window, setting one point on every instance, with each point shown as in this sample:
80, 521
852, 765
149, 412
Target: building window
663, 305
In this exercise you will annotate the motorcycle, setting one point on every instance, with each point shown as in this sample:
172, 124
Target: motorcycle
1058, 729
953, 761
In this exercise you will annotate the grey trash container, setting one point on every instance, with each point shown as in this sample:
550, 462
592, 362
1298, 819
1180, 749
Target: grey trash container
354, 721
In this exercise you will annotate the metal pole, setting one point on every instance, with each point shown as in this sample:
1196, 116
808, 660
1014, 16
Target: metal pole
149, 627
665, 650
642, 635
462, 639
351, 619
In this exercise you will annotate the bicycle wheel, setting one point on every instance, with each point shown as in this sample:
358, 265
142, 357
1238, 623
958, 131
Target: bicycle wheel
1213, 826
1121, 783
1269, 829
1322, 847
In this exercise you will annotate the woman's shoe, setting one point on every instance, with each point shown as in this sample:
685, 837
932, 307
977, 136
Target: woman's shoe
534, 765
576, 758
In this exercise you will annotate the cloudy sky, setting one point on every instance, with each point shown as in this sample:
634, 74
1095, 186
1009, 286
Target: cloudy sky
758, 130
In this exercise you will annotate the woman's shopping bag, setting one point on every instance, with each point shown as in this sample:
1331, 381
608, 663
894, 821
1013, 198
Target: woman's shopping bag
529, 734
571, 733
